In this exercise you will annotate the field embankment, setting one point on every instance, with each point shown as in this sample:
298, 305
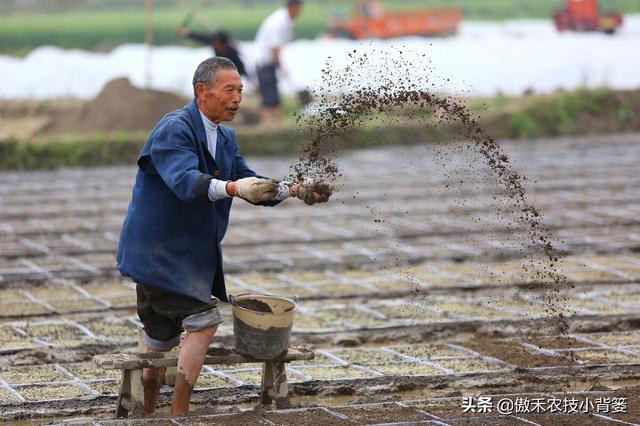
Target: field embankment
108, 130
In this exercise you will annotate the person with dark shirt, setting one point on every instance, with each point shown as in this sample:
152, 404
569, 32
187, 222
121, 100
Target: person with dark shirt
221, 44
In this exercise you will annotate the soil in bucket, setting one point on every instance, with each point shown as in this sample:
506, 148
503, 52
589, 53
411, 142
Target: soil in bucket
262, 325
254, 305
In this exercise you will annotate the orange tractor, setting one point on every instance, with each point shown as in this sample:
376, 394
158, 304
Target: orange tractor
583, 15
369, 20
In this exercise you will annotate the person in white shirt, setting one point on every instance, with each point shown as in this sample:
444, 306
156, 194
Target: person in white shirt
274, 32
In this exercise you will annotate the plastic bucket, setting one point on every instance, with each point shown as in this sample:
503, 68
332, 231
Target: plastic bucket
262, 325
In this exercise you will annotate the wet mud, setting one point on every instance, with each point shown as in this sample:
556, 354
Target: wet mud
517, 355
529, 370
253, 305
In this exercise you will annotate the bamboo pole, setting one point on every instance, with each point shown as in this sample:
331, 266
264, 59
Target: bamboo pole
148, 38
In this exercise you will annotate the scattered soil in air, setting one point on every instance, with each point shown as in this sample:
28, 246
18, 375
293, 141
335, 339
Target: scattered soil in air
253, 305
380, 88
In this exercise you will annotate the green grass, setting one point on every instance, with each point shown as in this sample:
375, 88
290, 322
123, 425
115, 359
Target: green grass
106, 28
109, 28
557, 115
584, 111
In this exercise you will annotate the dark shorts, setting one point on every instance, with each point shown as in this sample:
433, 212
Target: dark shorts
166, 315
268, 85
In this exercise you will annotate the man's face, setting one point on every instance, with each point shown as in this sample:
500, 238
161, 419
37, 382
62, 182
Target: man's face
218, 46
221, 100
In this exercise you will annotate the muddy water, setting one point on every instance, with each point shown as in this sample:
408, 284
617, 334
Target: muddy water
344, 103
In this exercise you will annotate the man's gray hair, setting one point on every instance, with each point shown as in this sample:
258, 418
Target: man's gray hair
207, 70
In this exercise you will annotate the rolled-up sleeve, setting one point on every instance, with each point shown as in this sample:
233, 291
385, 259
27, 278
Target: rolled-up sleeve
176, 161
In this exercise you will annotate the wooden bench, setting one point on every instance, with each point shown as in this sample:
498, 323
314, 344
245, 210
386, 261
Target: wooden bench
274, 387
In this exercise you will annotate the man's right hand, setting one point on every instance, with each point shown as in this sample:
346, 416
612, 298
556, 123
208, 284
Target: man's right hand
311, 191
252, 189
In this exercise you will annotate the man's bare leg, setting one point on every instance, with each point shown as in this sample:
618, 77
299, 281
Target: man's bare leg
192, 353
151, 383
271, 116
278, 114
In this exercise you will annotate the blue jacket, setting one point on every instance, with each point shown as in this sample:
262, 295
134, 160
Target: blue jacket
170, 239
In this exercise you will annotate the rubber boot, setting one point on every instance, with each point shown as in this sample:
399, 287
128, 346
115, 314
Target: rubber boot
192, 353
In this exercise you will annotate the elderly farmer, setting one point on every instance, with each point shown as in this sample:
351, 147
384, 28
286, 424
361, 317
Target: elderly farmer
189, 171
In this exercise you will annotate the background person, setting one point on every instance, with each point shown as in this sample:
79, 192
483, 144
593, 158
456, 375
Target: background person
274, 32
188, 173
221, 44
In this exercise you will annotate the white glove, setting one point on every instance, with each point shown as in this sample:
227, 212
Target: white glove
252, 189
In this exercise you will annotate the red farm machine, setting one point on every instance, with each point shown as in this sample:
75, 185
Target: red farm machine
370, 20
584, 15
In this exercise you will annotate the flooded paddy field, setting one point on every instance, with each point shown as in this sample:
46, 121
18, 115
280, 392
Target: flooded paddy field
421, 302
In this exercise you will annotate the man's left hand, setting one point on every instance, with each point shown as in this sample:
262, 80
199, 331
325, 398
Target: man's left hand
183, 31
311, 191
